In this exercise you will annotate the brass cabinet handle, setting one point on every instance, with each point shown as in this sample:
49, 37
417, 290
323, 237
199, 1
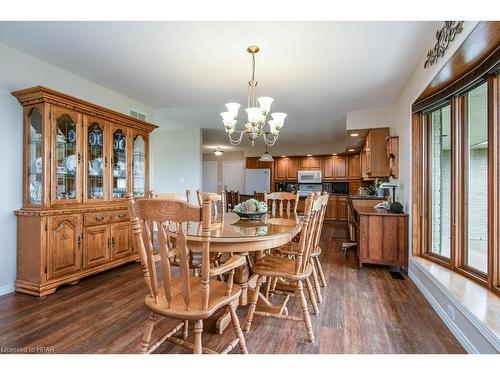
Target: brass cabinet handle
79, 241
113, 242
99, 218
121, 216
109, 243
79, 158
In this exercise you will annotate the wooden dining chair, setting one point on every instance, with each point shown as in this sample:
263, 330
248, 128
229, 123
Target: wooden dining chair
259, 196
183, 297
290, 249
278, 202
216, 211
297, 270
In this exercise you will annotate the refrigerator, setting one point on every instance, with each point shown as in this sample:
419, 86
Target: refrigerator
257, 180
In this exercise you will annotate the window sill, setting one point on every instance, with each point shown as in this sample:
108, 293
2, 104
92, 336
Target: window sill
480, 305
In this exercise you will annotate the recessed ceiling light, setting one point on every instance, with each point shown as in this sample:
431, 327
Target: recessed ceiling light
309, 155
354, 134
218, 151
351, 150
334, 154
283, 156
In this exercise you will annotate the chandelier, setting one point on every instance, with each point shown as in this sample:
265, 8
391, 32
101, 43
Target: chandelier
256, 114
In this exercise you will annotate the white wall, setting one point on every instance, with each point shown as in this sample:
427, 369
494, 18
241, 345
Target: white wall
176, 160
19, 71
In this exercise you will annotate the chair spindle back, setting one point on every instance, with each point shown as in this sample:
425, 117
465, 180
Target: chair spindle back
178, 214
280, 201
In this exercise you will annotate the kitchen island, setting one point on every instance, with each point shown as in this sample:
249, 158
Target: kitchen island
382, 236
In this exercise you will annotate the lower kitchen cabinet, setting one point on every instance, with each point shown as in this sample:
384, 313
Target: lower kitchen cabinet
336, 208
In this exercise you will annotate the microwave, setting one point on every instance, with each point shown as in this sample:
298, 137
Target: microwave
309, 177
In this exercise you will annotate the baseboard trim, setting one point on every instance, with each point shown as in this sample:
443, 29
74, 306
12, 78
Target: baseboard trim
6, 289
480, 328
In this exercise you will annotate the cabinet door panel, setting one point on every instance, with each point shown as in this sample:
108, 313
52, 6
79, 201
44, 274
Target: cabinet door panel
292, 168
96, 160
314, 163
64, 245
341, 208
120, 158
354, 167
304, 163
139, 165
281, 169
328, 168
340, 167
121, 240
97, 246
331, 209
66, 129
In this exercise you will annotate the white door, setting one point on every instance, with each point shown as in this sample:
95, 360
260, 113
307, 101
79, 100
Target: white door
233, 175
209, 177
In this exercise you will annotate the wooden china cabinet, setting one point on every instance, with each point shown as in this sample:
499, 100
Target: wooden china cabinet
80, 160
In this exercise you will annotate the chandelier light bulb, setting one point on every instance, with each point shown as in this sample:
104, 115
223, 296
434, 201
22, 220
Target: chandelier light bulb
231, 124
233, 109
272, 126
279, 119
265, 104
226, 117
254, 115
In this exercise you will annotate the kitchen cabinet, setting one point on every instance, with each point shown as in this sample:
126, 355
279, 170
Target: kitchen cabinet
376, 162
342, 208
286, 169
354, 167
80, 160
255, 163
334, 168
309, 162
336, 208
292, 168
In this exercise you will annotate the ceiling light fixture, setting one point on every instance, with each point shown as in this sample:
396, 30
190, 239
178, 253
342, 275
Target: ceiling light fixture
218, 151
266, 156
351, 150
257, 115
354, 134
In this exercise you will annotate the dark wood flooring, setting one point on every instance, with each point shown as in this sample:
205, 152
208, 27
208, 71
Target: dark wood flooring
363, 311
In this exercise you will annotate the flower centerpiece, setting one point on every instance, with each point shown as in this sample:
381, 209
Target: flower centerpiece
251, 209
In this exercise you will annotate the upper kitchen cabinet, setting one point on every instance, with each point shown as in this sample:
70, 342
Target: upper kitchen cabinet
354, 167
309, 162
286, 169
376, 162
334, 167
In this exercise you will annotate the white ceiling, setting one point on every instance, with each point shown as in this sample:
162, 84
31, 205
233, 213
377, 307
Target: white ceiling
315, 71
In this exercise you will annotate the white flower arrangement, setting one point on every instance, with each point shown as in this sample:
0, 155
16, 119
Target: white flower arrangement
250, 206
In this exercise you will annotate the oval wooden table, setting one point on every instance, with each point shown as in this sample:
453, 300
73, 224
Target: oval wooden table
234, 235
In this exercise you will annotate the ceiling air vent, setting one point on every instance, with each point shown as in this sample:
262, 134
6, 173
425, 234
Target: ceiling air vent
138, 115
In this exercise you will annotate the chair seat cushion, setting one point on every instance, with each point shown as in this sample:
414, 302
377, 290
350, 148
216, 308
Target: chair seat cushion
276, 266
178, 310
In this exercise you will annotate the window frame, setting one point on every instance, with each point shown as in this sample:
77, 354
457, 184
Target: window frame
422, 188
427, 220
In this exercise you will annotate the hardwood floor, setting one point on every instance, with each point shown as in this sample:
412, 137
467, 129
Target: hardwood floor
363, 311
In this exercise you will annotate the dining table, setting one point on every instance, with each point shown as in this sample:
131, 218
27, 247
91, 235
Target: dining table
231, 234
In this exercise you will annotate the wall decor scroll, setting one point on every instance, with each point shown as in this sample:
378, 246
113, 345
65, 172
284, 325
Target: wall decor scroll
443, 38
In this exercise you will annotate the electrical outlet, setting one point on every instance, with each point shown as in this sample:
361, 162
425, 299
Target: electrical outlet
450, 311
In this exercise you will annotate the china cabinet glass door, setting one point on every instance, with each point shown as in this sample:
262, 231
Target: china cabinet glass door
119, 170
139, 166
67, 156
96, 161
35, 161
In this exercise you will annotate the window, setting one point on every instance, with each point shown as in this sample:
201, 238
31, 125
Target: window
439, 163
476, 179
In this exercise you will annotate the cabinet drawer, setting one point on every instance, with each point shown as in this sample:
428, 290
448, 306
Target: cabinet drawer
120, 216
97, 218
